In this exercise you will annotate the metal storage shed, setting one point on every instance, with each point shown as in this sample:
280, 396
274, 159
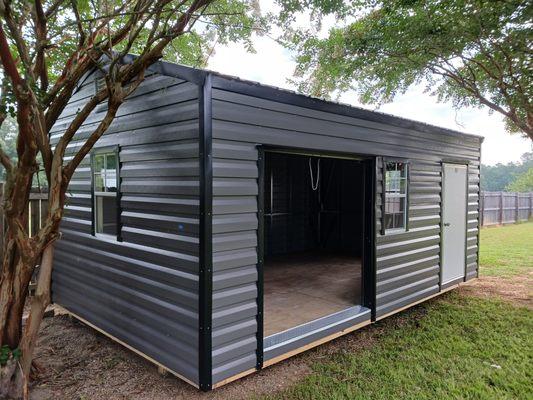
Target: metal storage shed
221, 225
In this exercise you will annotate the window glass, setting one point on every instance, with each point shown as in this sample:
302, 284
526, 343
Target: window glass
110, 173
106, 215
395, 211
105, 167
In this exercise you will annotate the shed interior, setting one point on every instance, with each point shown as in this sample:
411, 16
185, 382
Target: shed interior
313, 238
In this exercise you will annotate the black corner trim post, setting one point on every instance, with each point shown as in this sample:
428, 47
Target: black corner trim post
260, 255
205, 273
370, 225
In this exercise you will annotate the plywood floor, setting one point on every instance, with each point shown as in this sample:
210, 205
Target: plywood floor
302, 287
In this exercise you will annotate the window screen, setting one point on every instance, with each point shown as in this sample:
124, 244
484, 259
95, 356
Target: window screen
105, 184
395, 210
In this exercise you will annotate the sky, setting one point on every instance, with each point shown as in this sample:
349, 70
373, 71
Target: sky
272, 64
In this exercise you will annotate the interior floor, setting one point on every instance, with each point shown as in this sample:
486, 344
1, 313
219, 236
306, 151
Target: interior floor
300, 288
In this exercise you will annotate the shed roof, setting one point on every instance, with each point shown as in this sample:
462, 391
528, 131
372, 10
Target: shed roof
287, 96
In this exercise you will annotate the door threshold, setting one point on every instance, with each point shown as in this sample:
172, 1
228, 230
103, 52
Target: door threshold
299, 336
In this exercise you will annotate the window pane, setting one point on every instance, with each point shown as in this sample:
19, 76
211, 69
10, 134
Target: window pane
106, 214
111, 173
395, 195
99, 163
98, 182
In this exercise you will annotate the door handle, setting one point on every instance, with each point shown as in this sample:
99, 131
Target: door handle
446, 224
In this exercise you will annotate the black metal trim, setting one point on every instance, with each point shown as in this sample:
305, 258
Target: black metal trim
260, 256
93, 229
369, 280
193, 75
383, 195
119, 196
205, 278
407, 197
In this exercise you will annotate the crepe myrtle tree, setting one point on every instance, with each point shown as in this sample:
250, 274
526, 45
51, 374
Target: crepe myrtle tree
46, 46
469, 52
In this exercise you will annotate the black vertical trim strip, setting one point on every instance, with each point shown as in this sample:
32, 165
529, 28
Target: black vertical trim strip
206, 237
466, 220
369, 280
118, 196
407, 189
93, 229
383, 194
373, 246
260, 255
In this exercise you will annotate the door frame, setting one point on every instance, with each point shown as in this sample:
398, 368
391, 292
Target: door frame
465, 163
368, 263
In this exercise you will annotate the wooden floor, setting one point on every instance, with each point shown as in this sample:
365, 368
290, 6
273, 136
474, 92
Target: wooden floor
302, 287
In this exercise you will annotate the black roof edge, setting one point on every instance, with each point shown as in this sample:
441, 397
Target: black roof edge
256, 89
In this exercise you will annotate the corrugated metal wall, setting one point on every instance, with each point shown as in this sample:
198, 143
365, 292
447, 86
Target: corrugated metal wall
407, 263
235, 224
144, 290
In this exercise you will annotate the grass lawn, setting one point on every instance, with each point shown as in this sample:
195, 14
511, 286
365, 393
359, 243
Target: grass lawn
454, 347
506, 250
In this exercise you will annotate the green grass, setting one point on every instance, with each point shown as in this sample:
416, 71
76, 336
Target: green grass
454, 347
462, 348
506, 250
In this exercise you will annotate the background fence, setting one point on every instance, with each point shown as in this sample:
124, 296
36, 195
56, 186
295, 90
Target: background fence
496, 208
505, 208
37, 209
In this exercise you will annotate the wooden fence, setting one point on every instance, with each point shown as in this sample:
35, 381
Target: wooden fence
37, 209
499, 208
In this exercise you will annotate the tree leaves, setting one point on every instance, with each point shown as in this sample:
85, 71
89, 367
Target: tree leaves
468, 52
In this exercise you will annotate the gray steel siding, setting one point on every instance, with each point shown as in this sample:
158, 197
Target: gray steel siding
144, 290
408, 263
235, 223
472, 235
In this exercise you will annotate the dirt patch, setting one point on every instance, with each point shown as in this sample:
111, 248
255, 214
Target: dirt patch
517, 290
79, 363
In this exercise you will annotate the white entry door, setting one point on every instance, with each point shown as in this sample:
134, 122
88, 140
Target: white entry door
454, 203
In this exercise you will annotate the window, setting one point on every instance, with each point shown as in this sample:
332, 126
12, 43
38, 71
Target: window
105, 186
395, 210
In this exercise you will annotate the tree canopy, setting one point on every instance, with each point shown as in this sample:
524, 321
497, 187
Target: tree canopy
522, 183
500, 177
468, 52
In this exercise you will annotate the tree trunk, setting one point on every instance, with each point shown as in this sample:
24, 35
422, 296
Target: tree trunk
12, 385
39, 302
17, 343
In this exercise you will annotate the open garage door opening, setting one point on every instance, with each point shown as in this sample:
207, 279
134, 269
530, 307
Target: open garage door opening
314, 238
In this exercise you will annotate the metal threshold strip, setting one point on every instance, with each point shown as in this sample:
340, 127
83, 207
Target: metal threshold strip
302, 335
